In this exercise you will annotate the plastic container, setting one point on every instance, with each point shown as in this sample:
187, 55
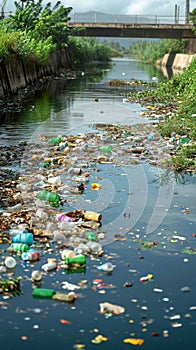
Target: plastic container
19, 247
54, 140
106, 149
67, 253
26, 238
52, 265
43, 293
49, 196
70, 297
91, 215
78, 259
10, 262
91, 236
30, 256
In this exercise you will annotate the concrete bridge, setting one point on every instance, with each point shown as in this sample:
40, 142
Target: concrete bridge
173, 31
130, 26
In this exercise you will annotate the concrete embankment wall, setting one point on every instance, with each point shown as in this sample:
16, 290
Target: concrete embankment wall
17, 73
177, 61
174, 63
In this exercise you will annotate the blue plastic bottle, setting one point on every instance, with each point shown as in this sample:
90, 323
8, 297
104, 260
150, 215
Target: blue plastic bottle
26, 238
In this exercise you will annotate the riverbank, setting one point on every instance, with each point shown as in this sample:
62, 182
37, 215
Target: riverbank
179, 126
16, 74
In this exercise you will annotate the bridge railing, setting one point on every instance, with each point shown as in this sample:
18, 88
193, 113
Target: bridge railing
96, 17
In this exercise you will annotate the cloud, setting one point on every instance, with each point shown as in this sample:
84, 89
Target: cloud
134, 7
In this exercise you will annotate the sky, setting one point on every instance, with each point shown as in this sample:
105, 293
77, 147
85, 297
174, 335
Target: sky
132, 7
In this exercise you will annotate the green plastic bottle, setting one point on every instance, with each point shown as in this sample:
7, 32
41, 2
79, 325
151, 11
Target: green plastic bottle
43, 293
78, 259
49, 196
91, 236
106, 149
20, 247
54, 140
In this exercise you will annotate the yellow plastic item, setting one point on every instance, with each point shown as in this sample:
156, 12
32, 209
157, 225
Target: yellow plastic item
134, 341
150, 276
95, 186
99, 339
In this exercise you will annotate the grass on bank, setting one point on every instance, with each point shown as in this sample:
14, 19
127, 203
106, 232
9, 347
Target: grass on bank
179, 91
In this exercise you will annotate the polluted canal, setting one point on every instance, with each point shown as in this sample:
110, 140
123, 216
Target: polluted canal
97, 235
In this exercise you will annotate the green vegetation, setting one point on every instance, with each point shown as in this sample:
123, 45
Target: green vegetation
193, 19
151, 51
179, 91
35, 30
88, 50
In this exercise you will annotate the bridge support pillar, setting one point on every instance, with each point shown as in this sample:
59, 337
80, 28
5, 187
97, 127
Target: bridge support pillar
191, 46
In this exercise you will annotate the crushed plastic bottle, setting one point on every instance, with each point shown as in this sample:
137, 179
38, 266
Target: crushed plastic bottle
94, 247
107, 267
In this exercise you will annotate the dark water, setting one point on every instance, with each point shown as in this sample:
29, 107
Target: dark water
155, 211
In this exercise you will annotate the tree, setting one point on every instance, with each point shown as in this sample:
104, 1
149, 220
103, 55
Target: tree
41, 22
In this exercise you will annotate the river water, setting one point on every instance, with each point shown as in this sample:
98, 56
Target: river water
161, 209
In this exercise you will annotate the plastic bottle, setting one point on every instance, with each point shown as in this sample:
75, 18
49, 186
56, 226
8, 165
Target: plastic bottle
26, 238
30, 256
106, 149
19, 247
107, 267
91, 236
49, 196
15, 231
54, 140
43, 293
15, 208
94, 247
78, 259
52, 265
91, 215
82, 249
10, 262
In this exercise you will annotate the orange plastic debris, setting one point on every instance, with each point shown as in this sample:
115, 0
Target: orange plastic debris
65, 321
